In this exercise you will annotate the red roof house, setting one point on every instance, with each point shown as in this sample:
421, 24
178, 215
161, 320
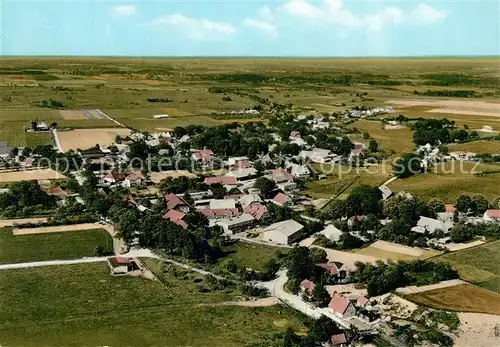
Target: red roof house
203, 154
174, 202
135, 176
175, 217
337, 340
307, 287
281, 175
331, 268
295, 134
341, 306
114, 176
224, 180
449, 208
362, 301
492, 215
281, 199
257, 210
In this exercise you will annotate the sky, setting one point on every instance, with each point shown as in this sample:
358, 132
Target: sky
250, 28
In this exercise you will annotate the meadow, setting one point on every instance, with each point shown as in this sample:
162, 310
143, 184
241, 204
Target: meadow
450, 180
250, 255
52, 246
477, 264
82, 305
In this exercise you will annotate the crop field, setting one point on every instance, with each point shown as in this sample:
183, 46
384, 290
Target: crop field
461, 298
28, 175
86, 138
388, 250
82, 305
477, 264
478, 147
452, 179
342, 179
52, 246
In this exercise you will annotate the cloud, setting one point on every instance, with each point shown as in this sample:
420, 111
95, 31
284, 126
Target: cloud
124, 10
260, 25
333, 13
266, 13
196, 28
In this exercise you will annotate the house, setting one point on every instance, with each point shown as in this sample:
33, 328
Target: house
299, 171
386, 192
338, 340
341, 307
223, 180
242, 164
319, 155
449, 208
120, 265
232, 161
249, 199
492, 216
280, 175
222, 204
330, 268
175, 217
243, 174
358, 150
362, 301
281, 200
257, 210
134, 179
237, 224
203, 156
173, 202
307, 288
113, 177
331, 233
430, 225
283, 233
219, 213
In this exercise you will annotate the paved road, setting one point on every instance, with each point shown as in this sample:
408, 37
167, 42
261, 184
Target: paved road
52, 263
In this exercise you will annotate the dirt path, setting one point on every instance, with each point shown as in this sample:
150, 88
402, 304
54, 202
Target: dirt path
52, 263
63, 228
415, 289
13, 222
264, 302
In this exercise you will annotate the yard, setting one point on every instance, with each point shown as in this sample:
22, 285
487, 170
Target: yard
461, 298
52, 246
477, 264
450, 180
82, 305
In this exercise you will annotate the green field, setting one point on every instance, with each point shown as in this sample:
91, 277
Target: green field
251, 255
448, 181
82, 305
479, 264
478, 147
52, 246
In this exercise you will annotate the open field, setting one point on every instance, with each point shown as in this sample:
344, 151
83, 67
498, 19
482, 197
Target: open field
27, 175
342, 179
477, 329
478, 264
389, 250
461, 298
82, 114
450, 180
86, 138
156, 177
478, 147
251, 255
398, 140
465, 107
53, 246
82, 305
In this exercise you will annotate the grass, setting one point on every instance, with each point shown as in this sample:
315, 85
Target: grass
82, 305
477, 264
251, 255
383, 254
461, 298
343, 179
450, 180
52, 246
478, 147
398, 140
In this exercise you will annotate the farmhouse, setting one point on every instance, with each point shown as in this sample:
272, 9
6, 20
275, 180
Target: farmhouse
341, 307
283, 233
120, 265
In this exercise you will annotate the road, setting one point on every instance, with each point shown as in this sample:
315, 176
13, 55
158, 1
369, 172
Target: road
52, 263
56, 139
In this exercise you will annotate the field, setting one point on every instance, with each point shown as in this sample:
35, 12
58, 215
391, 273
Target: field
450, 180
82, 305
478, 147
156, 177
388, 250
52, 246
251, 255
398, 140
86, 138
37, 174
477, 265
461, 298
342, 179
447, 106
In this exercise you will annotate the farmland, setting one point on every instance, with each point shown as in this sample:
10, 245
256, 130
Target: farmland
477, 264
83, 305
52, 246
86, 138
38, 174
251, 255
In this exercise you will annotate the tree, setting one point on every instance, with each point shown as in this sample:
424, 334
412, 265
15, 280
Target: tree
321, 296
335, 210
464, 203
318, 256
373, 146
363, 201
322, 329
480, 204
265, 186
436, 206
408, 165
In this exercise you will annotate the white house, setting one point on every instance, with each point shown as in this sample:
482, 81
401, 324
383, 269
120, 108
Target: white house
225, 204
426, 224
319, 155
331, 233
283, 233
299, 171
236, 224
